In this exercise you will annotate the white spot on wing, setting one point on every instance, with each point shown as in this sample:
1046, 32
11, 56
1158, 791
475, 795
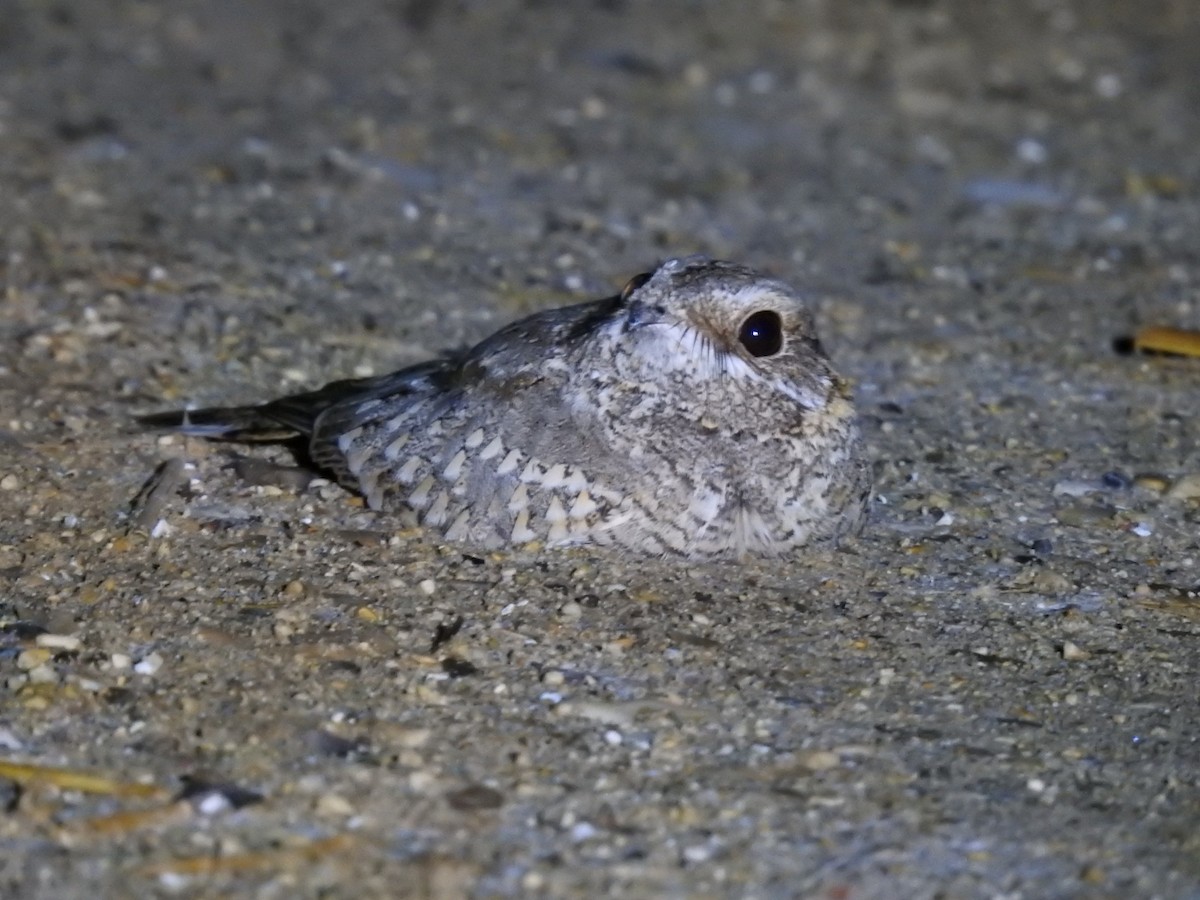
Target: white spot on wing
553, 476
583, 506
437, 513
509, 463
392, 451
347, 439
558, 533
519, 500
357, 456
407, 472
419, 498
533, 472
555, 514
562, 476
454, 467
521, 533
458, 528
494, 448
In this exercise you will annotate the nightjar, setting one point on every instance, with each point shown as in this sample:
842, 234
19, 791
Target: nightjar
696, 413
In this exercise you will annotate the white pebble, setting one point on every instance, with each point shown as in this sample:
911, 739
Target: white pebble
697, 854
148, 665
582, 831
43, 674
174, 882
1072, 651
1109, 85
58, 641
428, 587
1032, 151
213, 804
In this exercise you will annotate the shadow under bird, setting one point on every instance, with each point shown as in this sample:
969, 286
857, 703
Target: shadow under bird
696, 413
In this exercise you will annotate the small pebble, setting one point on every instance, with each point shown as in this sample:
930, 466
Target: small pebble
1072, 651
820, 760
58, 641
174, 882
1032, 151
10, 482
428, 587
1108, 85
474, 798
1081, 516
213, 803
31, 659
1117, 481
533, 882
148, 665
1156, 483
334, 805
1074, 487
43, 674
1185, 488
698, 854
582, 831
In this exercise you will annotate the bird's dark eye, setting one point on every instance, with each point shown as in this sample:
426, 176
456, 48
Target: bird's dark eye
762, 333
633, 284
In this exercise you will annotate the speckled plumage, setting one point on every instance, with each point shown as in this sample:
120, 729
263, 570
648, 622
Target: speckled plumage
641, 421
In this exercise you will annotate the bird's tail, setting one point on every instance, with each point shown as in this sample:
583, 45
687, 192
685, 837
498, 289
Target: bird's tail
232, 423
294, 416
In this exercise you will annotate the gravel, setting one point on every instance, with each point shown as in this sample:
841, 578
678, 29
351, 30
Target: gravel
245, 683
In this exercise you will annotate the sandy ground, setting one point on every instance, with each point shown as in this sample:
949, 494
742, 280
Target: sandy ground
255, 687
